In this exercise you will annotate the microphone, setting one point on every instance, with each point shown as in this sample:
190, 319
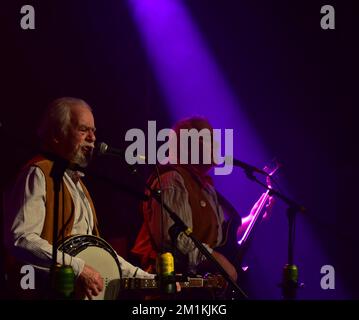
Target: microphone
64, 282
248, 167
103, 148
166, 272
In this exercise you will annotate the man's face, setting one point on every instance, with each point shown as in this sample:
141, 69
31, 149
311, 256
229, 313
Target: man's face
78, 143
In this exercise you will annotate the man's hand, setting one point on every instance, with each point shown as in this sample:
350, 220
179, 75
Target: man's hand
269, 206
89, 282
227, 266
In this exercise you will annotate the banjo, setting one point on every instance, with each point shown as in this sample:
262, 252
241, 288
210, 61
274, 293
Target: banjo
98, 254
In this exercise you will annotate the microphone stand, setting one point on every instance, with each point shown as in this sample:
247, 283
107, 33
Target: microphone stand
290, 271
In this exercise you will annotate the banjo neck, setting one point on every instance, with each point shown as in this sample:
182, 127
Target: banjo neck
97, 253
138, 284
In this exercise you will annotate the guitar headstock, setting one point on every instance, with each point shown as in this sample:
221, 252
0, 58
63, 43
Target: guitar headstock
271, 169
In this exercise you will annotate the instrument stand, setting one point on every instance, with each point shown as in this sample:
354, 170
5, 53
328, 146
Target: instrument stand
289, 283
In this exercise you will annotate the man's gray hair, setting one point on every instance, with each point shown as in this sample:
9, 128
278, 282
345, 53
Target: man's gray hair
57, 118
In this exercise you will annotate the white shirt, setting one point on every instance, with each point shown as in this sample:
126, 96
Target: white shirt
25, 212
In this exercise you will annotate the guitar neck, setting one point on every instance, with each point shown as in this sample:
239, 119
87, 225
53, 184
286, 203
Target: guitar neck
194, 283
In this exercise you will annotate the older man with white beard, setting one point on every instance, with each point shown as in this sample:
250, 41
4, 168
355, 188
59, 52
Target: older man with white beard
67, 133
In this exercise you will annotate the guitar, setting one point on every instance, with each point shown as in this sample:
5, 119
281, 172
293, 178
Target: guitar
98, 254
238, 232
245, 231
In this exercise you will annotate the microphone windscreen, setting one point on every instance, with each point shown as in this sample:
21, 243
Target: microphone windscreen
101, 148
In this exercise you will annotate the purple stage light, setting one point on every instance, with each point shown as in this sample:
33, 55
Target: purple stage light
192, 84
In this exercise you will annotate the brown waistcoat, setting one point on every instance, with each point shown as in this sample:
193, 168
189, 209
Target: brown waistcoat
66, 204
204, 221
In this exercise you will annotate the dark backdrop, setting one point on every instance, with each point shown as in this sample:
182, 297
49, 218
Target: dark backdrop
297, 85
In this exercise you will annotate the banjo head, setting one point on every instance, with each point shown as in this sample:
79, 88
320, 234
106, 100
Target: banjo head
98, 254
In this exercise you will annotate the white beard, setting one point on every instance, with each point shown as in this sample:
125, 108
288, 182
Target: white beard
82, 159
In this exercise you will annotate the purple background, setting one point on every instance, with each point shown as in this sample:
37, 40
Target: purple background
266, 70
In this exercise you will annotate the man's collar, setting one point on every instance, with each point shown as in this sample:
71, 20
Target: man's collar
75, 175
